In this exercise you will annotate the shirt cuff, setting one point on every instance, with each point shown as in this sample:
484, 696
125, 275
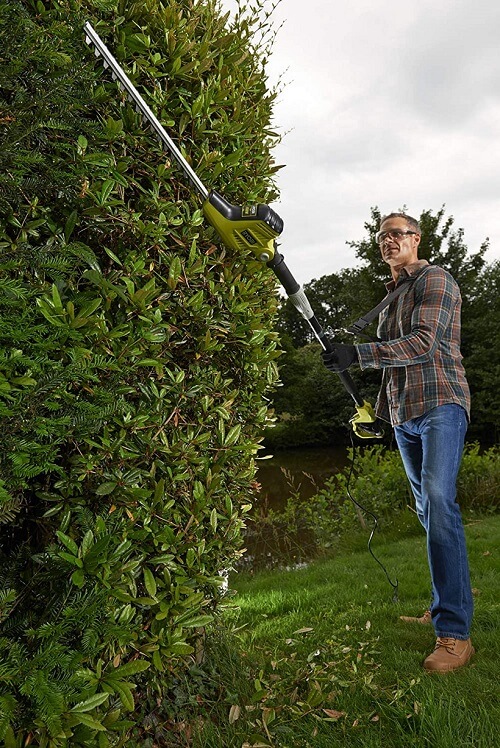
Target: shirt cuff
368, 355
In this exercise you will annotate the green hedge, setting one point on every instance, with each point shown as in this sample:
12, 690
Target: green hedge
134, 356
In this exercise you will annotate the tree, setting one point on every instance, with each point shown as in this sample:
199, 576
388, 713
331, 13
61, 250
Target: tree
336, 299
441, 244
341, 298
312, 406
481, 349
134, 356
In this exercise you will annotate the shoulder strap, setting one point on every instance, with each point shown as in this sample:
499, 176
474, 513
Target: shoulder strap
368, 318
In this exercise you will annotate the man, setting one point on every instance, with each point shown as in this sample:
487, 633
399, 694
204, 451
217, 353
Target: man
424, 394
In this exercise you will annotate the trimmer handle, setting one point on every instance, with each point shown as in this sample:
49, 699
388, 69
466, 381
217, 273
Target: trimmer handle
364, 422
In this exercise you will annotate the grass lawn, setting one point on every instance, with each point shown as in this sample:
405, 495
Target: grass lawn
321, 659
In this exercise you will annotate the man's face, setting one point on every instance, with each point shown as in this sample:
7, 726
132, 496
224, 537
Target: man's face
398, 251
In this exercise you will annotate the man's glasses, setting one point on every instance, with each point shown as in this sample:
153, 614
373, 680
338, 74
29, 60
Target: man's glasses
395, 234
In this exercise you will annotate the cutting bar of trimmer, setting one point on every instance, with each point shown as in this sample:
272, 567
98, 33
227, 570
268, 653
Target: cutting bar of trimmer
92, 38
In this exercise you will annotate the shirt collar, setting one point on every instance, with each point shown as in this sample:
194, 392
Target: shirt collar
407, 272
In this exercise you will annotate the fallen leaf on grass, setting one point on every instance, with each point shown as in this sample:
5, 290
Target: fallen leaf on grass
234, 714
305, 630
333, 713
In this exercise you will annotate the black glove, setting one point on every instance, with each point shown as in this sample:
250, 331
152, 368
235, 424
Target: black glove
340, 358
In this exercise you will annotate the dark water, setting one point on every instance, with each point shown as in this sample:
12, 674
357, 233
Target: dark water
306, 469
300, 470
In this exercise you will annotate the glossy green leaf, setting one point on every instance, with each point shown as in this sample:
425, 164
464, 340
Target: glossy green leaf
91, 703
149, 582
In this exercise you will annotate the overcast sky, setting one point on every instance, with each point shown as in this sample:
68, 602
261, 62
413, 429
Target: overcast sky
387, 103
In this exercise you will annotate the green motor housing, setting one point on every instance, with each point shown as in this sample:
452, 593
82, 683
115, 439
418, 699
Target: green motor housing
253, 227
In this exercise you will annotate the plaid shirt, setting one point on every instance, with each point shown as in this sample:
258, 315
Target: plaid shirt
421, 360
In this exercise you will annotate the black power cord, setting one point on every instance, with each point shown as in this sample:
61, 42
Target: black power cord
394, 585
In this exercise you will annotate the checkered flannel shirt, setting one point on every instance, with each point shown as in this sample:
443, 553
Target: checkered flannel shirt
419, 352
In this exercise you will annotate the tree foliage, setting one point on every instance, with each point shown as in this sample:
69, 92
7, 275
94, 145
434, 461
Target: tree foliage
341, 298
134, 355
481, 350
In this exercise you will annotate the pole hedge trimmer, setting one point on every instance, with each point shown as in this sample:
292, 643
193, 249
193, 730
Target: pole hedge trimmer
246, 227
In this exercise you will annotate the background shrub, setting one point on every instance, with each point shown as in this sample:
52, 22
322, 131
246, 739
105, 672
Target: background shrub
376, 480
479, 479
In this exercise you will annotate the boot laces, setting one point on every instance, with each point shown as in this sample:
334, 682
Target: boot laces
447, 642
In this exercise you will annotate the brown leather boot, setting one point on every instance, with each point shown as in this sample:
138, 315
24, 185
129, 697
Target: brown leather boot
449, 654
423, 619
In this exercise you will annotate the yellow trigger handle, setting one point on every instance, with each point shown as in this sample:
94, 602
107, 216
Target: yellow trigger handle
364, 422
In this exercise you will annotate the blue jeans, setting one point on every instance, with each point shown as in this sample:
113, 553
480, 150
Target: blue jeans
431, 447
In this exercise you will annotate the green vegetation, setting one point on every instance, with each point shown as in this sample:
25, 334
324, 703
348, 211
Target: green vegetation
377, 481
323, 660
134, 356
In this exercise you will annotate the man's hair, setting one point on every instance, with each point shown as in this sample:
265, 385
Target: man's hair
412, 222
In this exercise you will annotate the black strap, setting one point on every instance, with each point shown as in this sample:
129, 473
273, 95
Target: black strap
367, 319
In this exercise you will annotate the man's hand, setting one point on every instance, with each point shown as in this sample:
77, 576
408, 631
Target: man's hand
340, 358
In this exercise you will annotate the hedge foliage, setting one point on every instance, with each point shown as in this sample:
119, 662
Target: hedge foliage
135, 353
